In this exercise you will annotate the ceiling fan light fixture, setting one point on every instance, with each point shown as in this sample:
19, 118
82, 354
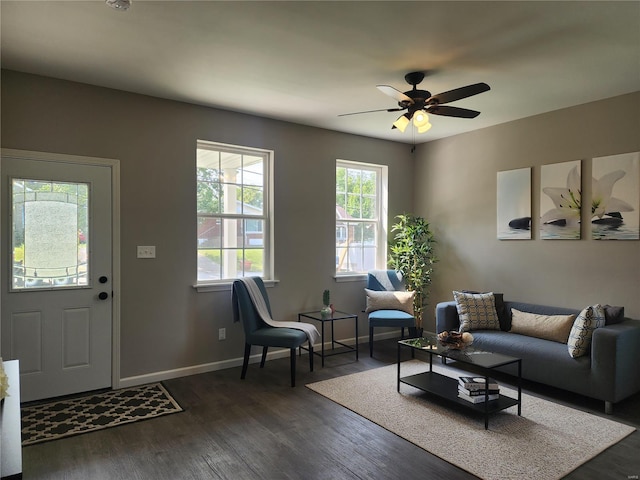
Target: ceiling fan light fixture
424, 128
120, 5
419, 103
402, 122
420, 118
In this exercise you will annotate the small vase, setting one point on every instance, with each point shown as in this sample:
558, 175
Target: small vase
416, 332
325, 312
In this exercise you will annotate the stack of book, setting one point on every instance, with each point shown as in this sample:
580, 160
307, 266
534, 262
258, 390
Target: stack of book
473, 389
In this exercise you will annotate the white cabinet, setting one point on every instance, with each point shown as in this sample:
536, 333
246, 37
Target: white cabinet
10, 434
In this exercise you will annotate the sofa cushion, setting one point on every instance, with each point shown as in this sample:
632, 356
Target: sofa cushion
586, 322
548, 327
477, 311
381, 300
542, 361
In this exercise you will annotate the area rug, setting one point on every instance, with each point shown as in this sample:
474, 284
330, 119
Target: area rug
64, 418
546, 443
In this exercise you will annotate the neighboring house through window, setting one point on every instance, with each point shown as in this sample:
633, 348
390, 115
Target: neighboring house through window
361, 212
234, 212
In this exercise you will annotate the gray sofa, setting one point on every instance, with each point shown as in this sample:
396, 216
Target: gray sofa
609, 372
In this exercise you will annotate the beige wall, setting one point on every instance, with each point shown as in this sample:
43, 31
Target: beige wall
165, 323
456, 191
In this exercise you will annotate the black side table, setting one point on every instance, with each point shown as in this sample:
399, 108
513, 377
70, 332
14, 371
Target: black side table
337, 315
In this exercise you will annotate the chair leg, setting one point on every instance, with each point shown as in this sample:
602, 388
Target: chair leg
264, 356
293, 367
402, 333
245, 363
310, 357
371, 341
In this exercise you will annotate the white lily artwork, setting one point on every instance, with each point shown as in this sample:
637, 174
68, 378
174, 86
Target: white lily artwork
615, 197
562, 206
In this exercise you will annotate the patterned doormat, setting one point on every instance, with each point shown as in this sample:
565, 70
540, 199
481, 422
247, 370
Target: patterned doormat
64, 418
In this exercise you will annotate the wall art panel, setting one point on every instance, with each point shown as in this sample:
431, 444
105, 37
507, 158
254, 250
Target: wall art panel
560, 201
514, 204
615, 197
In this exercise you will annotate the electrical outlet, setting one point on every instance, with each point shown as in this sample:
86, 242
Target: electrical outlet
222, 334
148, 251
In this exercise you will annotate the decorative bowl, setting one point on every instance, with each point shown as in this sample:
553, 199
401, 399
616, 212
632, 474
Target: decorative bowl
455, 340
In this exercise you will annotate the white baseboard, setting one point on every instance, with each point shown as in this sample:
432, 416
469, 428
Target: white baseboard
230, 363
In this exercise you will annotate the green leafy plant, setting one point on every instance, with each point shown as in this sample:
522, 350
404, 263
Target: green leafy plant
412, 254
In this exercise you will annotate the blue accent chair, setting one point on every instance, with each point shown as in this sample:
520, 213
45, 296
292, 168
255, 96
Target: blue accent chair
387, 280
257, 332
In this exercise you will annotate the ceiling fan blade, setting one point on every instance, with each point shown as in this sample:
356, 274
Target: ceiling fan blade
371, 111
447, 111
394, 93
459, 93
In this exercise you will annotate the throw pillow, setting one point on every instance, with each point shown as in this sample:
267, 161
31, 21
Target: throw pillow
476, 311
548, 327
383, 300
613, 315
503, 315
582, 330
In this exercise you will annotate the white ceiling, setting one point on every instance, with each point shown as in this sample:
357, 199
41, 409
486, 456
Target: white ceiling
307, 62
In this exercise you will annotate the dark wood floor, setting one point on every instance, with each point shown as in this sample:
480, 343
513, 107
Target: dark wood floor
261, 428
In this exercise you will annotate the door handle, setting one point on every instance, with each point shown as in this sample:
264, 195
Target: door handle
103, 295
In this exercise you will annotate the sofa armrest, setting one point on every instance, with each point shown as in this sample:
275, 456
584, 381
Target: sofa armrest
447, 317
615, 356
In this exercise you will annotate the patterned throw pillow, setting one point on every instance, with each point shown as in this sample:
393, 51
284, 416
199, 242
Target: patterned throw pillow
586, 322
385, 300
504, 317
476, 311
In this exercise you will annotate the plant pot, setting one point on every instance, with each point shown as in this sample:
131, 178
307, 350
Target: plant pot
416, 332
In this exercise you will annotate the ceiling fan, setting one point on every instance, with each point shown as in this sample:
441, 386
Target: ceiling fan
419, 103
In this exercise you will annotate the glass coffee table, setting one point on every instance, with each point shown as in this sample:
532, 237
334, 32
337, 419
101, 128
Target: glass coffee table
447, 387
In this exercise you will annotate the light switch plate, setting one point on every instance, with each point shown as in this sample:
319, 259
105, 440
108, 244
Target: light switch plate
146, 251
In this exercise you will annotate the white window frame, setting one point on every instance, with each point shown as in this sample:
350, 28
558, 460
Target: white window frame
381, 214
267, 214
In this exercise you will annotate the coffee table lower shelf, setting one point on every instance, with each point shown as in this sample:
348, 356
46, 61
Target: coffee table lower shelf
447, 387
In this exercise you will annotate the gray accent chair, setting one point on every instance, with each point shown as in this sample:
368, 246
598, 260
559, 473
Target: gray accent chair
387, 281
257, 332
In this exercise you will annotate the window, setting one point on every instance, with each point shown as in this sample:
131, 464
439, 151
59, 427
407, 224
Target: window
50, 231
361, 227
234, 213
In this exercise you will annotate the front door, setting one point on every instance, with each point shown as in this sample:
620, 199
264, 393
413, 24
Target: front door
56, 273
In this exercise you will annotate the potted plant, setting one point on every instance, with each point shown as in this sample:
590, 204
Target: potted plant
326, 311
412, 255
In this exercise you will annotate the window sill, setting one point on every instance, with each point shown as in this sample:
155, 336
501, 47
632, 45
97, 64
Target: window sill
225, 286
356, 277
